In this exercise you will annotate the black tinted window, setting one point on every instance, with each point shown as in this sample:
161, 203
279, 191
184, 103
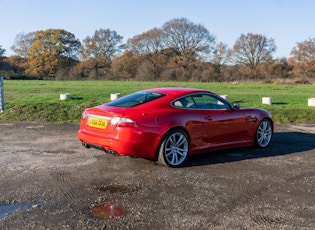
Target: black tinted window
135, 99
208, 102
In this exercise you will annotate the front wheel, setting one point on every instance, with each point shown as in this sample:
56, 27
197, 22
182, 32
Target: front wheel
174, 149
264, 133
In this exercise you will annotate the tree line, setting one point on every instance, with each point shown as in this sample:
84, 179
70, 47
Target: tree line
180, 50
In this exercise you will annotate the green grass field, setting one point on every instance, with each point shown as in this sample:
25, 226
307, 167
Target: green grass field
40, 100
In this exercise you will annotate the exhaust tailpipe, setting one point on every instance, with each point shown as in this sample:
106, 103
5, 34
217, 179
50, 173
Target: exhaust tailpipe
86, 145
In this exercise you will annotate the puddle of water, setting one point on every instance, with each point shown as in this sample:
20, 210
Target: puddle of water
6, 209
108, 211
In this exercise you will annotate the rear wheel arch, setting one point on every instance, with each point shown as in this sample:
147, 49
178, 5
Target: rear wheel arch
160, 157
167, 133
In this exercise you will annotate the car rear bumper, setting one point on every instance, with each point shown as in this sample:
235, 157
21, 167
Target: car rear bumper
134, 144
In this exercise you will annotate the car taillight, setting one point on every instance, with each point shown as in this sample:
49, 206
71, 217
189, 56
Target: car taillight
83, 116
123, 122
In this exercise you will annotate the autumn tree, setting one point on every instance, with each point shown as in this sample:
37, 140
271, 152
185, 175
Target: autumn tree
22, 43
303, 58
52, 50
17, 64
281, 68
100, 49
190, 41
125, 66
253, 49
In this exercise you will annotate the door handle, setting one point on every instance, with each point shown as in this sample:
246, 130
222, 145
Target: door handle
209, 118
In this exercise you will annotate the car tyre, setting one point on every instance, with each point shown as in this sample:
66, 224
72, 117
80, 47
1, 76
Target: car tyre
263, 133
173, 149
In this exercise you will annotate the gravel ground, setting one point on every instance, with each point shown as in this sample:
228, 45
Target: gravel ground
49, 181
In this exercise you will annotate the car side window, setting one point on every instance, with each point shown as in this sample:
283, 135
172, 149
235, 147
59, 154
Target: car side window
209, 102
184, 102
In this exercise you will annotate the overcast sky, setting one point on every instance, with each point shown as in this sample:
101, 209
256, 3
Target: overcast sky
286, 21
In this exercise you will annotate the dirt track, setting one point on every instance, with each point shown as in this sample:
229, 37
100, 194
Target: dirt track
44, 168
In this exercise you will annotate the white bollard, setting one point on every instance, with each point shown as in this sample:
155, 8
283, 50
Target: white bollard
114, 96
267, 100
64, 96
311, 102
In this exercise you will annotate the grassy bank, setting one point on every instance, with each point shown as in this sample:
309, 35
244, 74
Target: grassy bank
39, 100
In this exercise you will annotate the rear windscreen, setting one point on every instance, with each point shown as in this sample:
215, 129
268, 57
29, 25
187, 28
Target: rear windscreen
135, 99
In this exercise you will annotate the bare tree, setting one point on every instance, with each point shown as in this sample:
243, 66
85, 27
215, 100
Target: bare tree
253, 49
303, 58
189, 40
22, 44
221, 55
149, 45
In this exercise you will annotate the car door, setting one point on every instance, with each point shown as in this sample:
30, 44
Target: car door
219, 123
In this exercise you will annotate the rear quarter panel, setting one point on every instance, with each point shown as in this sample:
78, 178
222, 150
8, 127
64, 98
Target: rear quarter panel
176, 118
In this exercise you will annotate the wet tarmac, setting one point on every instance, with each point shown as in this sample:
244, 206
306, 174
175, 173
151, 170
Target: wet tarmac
49, 181
6, 209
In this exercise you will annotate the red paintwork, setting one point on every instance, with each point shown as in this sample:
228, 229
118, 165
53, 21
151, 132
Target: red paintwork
227, 128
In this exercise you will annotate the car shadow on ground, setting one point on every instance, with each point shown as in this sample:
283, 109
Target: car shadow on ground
283, 143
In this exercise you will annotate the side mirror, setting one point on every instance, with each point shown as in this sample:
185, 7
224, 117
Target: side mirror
235, 105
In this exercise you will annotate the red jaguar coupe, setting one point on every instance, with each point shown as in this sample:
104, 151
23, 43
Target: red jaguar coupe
168, 124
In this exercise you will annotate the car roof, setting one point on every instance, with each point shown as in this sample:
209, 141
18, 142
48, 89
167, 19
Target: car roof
175, 91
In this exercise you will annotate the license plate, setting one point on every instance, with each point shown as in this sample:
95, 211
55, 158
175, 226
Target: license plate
97, 122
